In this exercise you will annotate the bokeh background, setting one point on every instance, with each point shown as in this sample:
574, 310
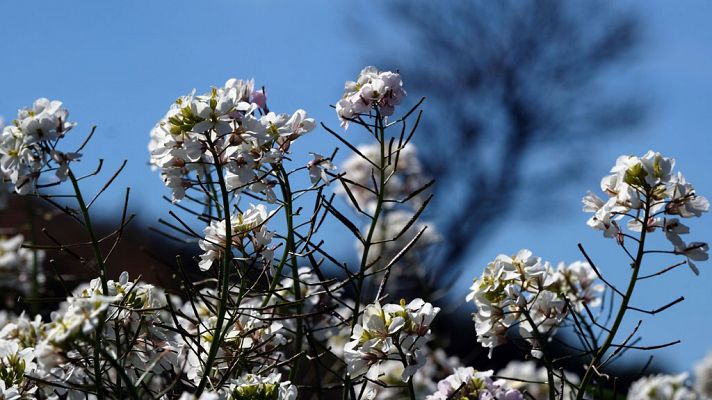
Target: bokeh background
528, 105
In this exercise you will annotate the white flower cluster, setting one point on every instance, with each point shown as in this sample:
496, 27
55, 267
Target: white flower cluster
137, 330
527, 377
28, 145
318, 168
15, 362
129, 317
248, 227
250, 386
372, 89
17, 263
525, 291
392, 332
224, 122
256, 387
648, 182
467, 383
663, 387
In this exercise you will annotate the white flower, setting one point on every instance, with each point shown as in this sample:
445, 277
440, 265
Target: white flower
249, 225
648, 183
526, 291
592, 203
683, 199
394, 331
261, 387
318, 167
195, 128
46, 120
372, 89
663, 387
467, 383
29, 146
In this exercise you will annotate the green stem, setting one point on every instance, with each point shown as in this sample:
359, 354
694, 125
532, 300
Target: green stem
374, 223
290, 250
224, 287
588, 375
90, 229
545, 356
35, 291
290, 237
102, 277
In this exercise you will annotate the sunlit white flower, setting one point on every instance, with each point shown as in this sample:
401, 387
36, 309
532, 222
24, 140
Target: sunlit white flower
525, 291
372, 89
249, 225
647, 185
663, 387
223, 129
29, 146
250, 386
467, 383
318, 168
395, 332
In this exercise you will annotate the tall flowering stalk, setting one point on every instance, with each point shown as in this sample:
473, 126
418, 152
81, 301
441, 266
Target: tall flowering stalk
646, 192
525, 292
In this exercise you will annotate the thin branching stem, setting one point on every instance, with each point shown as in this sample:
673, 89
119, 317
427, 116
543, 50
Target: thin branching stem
588, 375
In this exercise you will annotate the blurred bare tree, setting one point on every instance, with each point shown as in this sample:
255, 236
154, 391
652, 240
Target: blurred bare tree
520, 88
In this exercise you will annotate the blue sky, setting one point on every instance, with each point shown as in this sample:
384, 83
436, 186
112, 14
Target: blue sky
119, 65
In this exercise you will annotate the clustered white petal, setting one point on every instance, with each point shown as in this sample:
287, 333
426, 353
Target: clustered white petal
318, 168
390, 332
28, 145
246, 228
373, 89
129, 312
467, 383
524, 291
648, 182
250, 386
228, 127
663, 387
